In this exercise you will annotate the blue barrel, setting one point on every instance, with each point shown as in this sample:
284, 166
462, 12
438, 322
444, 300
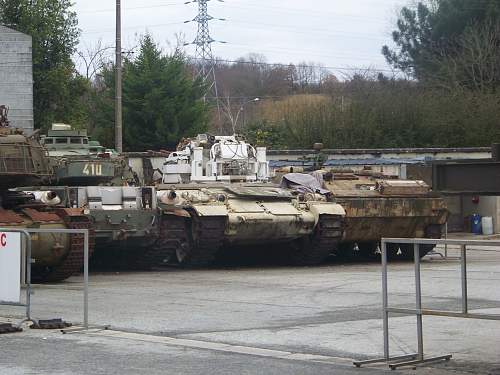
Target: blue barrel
476, 225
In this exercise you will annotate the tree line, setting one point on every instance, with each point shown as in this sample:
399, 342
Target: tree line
445, 93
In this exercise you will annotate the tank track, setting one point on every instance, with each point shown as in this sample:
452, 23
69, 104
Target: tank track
208, 238
74, 261
197, 243
172, 234
317, 247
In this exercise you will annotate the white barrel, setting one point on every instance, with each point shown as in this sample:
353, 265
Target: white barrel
487, 223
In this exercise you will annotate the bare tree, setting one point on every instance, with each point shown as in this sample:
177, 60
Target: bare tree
94, 58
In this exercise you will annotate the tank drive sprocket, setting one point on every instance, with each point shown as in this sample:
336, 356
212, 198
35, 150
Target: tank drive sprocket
314, 249
188, 241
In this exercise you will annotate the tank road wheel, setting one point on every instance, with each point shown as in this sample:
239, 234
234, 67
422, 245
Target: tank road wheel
314, 249
368, 250
394, 252
74, 261
345, 250
403, 251
406, 252
207, 235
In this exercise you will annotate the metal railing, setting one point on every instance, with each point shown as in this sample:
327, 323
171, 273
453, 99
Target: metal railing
419, 311
29, 261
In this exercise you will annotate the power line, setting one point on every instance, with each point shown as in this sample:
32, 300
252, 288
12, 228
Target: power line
273, 49
314, 13
110, 10
98, 31
293, 29
299, 65
265, 8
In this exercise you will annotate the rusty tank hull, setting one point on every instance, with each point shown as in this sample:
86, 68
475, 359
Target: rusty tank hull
56, 256
23, 161
377, 208
370, 219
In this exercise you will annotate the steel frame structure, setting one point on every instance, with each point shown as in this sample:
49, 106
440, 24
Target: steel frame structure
204, 58
475, 177
419, 311
29, 261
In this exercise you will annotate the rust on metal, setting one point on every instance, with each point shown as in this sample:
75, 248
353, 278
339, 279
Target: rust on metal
42, 217
10, 217
384, 208
179, 212
63, 212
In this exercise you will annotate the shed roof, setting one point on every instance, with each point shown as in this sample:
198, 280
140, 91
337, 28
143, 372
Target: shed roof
346, 162
8, 34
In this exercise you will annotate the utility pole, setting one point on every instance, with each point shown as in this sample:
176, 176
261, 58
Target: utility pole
118, 79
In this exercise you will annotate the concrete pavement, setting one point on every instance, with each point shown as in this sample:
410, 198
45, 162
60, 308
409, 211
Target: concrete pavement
258, 320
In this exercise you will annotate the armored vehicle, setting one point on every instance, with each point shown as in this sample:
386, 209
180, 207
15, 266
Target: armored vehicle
124, 219
23, 160
378, 207
216, 193
77, 161
100, 182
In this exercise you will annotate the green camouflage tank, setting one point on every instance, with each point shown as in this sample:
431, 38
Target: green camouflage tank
77, 161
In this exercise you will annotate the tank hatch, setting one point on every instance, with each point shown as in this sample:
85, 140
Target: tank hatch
260, 192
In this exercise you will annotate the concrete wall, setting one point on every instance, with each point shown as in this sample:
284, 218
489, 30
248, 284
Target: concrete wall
16, 77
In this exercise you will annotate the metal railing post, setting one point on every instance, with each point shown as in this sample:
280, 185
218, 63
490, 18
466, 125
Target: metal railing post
465, 302
446, 238
385, 303
86, 281
419, 311
418, 294
29, 262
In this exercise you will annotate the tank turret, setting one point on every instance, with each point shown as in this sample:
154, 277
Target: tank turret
79, 161
24, 161
216, 159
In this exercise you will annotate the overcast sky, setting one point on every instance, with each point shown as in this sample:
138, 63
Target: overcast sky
336, 33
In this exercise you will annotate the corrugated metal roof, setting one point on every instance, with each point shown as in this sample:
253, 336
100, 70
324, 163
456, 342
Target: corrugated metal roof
372, 161
346, 162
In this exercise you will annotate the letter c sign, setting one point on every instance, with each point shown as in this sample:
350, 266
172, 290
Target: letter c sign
3, 240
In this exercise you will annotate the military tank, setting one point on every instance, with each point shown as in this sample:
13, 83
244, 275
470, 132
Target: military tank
215, 194
101, 183
23, 160
378, 206
78, 161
